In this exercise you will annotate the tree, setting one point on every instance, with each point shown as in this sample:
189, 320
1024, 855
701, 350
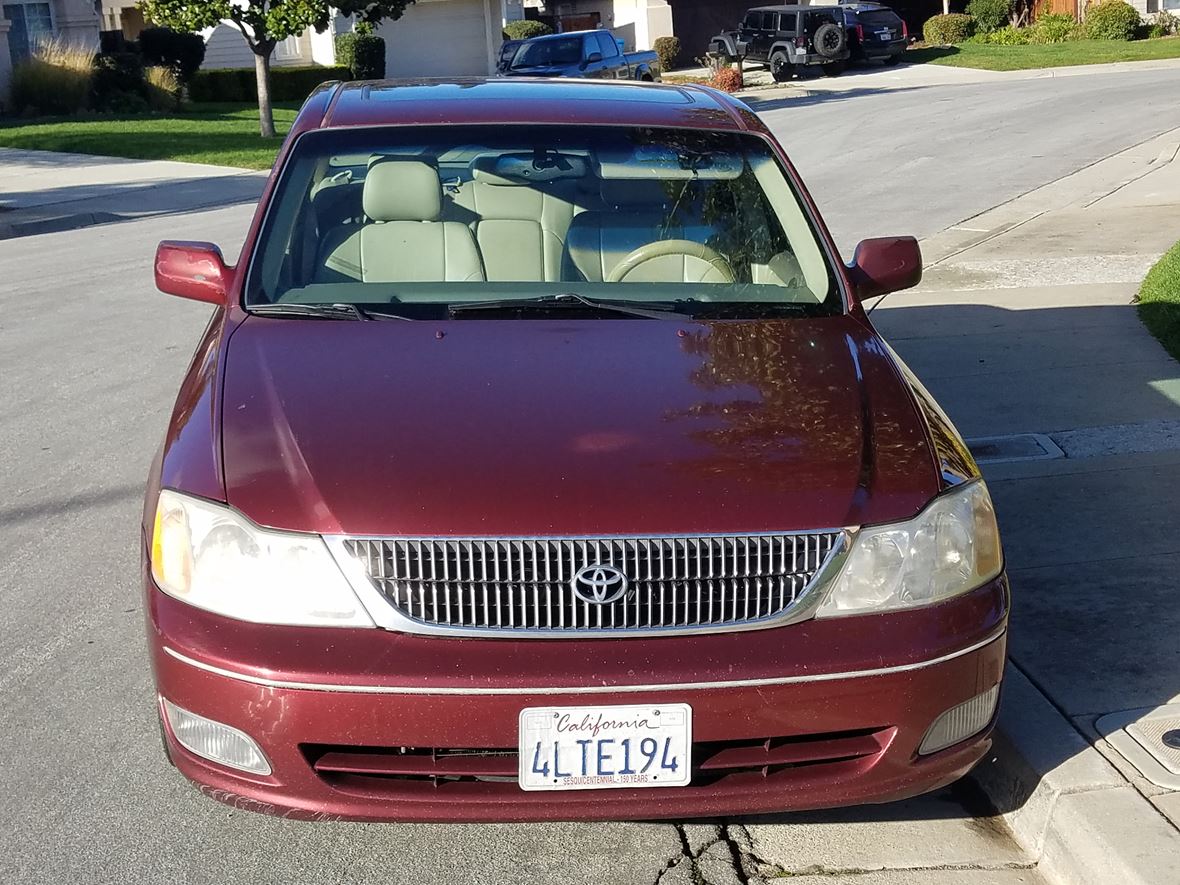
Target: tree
264, 23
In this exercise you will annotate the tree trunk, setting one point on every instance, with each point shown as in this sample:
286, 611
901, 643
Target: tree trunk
266, 118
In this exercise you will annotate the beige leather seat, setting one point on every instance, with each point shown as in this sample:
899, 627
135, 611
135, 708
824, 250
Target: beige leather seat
520, 226
403, 239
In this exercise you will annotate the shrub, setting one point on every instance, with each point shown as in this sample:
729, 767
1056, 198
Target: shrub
164, 47
526, 29
239, 85
1112, 20
668, 50
989, 15
368, 57
727, 79
946, 30
1005, 36
1053, 27
163, 88
54, 80
1167, 23
118, 82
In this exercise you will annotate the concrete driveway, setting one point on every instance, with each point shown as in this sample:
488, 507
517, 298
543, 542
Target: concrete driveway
90, 358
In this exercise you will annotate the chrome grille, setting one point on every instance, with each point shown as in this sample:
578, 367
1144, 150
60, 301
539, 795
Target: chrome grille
524, 585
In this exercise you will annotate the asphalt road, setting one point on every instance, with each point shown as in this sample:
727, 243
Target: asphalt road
90, 359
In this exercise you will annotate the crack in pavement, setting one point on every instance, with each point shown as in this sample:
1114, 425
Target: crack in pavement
718, 860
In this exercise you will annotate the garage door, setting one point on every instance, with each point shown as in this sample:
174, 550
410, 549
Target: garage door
437, 38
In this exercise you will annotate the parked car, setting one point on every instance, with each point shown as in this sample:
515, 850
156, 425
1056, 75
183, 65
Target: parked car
788, 38
507, 52
540, 461
588, 54
875, 33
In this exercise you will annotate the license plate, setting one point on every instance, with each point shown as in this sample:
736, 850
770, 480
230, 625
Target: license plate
885, 35
600, 748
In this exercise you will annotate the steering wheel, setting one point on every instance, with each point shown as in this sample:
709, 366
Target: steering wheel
681, 261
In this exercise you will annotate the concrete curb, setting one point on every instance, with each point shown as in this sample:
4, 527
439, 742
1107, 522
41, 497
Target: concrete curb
1065, 804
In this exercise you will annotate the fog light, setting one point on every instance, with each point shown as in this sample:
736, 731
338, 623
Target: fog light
959, 723
215, 741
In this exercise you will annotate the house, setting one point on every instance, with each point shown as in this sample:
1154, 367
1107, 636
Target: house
636, 22
433, 38
23, 24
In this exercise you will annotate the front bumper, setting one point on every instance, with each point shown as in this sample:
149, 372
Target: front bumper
877, 682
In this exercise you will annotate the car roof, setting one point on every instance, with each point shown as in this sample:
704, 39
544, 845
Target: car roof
524, 100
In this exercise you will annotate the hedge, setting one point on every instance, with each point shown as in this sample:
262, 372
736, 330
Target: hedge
946, 30
239, 85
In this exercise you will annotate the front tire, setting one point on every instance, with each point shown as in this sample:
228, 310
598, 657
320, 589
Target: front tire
891, 60
833, 69
781, 68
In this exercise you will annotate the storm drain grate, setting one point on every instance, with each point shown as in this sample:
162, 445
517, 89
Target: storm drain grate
1148, 738
1014, 447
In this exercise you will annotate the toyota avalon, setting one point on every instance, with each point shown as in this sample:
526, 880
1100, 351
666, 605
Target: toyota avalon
539, 461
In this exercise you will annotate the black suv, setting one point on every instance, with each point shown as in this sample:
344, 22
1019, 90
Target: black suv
875, 32
788, 38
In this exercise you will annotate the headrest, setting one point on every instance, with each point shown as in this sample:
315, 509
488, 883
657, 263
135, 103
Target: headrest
618, 192
402, 190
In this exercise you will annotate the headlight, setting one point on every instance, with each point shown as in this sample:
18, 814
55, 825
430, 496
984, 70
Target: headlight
210, 557
951, 547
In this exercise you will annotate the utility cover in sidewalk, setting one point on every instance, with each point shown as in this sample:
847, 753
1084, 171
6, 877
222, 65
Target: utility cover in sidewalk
1013, 447
1149, 738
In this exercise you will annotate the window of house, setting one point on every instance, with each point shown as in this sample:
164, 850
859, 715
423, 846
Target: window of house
288, 48
31, 23
1172, 4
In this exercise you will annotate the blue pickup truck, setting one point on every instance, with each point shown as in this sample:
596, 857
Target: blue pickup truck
589, 54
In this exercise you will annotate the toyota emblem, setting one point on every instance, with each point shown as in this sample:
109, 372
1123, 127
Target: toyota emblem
598, 583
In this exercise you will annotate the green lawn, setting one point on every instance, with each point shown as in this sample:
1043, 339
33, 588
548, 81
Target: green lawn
1159, 301
1053, 55
223, 134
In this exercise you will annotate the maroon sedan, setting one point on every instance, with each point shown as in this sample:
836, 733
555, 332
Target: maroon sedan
540, 462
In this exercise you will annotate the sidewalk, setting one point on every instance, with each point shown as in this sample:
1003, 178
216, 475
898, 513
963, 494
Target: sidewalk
42, 192
1024, 330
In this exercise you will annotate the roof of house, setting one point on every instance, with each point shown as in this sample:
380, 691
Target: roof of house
523, 100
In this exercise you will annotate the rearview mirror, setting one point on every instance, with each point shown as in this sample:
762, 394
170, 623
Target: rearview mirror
192, 270
885, 264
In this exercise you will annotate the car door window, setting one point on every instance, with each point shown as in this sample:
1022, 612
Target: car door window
752, 22
768, 22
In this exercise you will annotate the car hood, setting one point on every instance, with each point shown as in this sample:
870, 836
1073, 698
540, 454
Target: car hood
554, 427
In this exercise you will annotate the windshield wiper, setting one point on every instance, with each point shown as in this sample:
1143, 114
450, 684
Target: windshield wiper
653, 310
339, 311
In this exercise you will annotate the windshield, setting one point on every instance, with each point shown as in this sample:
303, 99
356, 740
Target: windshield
445, 215
879, 17
567, 51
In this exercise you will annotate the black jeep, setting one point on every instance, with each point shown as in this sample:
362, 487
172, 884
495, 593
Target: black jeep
787, 38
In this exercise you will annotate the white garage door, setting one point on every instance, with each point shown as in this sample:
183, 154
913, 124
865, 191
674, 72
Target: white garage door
437, 38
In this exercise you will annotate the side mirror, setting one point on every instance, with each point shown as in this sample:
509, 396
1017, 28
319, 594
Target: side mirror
592, 58
885, 264
192, 270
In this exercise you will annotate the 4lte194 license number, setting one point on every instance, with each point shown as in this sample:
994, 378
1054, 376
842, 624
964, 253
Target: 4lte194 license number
594, 748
